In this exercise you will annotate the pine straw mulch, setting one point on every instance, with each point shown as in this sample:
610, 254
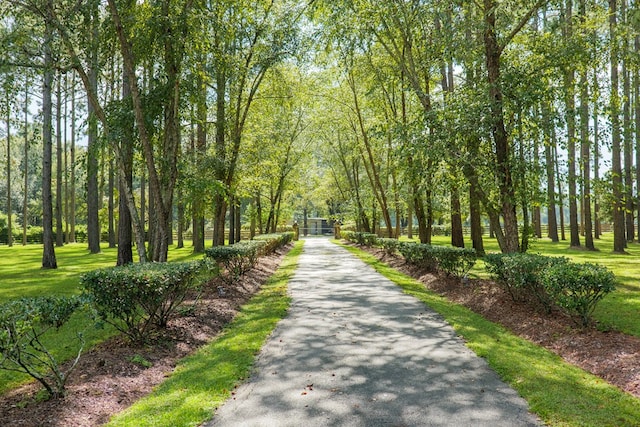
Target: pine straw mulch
106, 380
611, 355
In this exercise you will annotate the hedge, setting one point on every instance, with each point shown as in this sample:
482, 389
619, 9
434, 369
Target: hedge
137, 298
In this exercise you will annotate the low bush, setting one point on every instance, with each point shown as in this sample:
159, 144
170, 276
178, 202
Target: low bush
389, 245
577, 288
452, 261
23, 323
138, 297
235, 260
519, 274
275, 241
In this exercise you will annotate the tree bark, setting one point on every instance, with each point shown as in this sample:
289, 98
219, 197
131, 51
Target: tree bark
58, 209
619, 242
9, 208
48, 255
93, 225
585, 149
501, 140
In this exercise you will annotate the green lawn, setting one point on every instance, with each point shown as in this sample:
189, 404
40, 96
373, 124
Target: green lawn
21, 275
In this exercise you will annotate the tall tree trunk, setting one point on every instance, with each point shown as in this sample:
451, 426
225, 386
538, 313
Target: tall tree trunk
570, 104
9, 208
585, 148
58, 209
616, 166
200, 151
25, 199
66, 158
93, 225
560, 188
125, 227
552, 222
501, 140
596, 161
48, 255
628, 131
72, 161
636, 97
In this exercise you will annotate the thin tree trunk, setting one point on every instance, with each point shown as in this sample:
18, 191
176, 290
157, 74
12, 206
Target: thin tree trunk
560, 189
552, 222
585, 149
48, 255
25, 199
616, 166
93, 225
570, 103
72, 178
493, 53
58, 209
628, 132
9, 208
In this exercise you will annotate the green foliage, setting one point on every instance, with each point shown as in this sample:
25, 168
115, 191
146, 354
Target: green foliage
453, 261
138, 297
23, 323
577, 288
389, 245
235, 260
360, 238
553, 281
204, 380
275, 240
519, 274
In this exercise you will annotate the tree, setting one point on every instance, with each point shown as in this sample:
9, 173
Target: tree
48, 255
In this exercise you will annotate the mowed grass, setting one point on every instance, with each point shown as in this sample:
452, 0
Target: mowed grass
559, 393
21, 275
203, 381
620, 310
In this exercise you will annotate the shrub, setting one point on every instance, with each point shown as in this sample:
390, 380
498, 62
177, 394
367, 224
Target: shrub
23, 322
389, 245
419, 254
454, 261
274, 241
235, 260
137, 297
577, 288
520, 273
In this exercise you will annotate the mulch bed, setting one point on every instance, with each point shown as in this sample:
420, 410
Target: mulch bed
106, 380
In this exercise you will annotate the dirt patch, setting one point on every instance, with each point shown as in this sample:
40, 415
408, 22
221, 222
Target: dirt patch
611, 355
111, 376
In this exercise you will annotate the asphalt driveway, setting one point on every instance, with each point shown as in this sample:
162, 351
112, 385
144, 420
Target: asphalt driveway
355, 351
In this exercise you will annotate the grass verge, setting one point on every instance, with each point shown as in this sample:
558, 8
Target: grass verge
559, 393
203, 381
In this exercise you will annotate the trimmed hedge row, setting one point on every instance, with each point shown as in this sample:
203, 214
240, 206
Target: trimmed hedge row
552, 282
452, 261
137, 298
237, 259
